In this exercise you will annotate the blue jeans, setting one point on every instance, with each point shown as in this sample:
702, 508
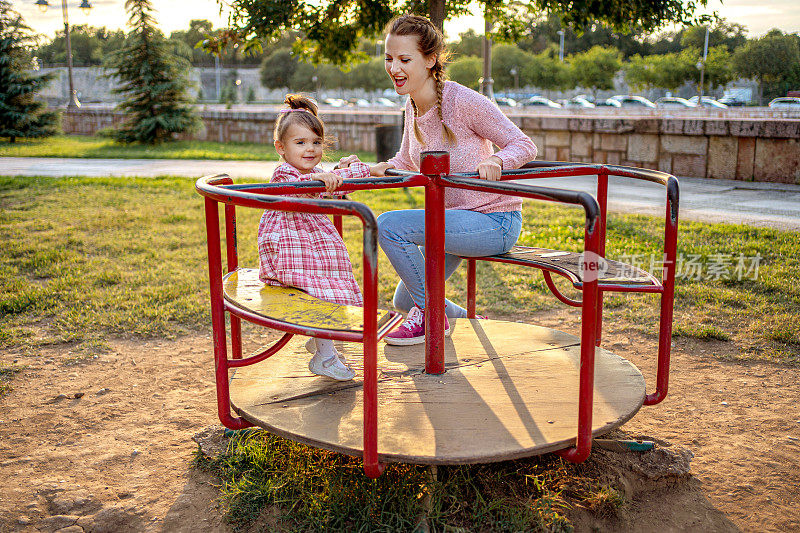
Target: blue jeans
467, 233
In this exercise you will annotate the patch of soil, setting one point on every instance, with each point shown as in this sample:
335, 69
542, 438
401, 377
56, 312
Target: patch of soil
119, 457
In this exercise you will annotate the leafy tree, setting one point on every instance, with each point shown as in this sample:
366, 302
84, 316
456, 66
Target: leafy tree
718, 69
506, 57
668, 71
466, 70
541, 34
722, 33
544, 70
89, 45
595, 68
21, 115
198, 29
333, 29
157, 104
370, 76
771, 59
640, 72
278, 68
302, 79
469, 44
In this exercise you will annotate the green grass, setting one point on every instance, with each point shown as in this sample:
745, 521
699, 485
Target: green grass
99, 147
7, 373
88, 258
700, 332
316, 490
85, 260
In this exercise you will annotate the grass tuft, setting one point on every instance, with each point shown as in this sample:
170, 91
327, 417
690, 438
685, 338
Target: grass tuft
316, 490
704, 333
7, 373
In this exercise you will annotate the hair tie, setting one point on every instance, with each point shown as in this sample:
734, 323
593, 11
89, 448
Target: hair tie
289, 110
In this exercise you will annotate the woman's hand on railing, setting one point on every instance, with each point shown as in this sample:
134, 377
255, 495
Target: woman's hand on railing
379, 169
490, 168
346, 161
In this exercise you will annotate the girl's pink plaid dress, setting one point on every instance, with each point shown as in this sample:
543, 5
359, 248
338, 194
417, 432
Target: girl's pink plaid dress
304, 250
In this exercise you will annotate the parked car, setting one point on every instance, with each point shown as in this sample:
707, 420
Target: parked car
707, 101
786, 102
674, 102
358, 102
632, 101
384, 102
506, 102
731, 101
578, 102
540, 101
608, 102
334, 102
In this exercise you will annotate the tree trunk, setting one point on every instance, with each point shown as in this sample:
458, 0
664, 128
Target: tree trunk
760, 91
437, 13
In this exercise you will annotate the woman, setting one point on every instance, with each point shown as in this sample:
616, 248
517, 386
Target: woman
444, 115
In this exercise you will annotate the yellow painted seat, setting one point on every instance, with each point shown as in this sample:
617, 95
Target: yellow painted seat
243, 289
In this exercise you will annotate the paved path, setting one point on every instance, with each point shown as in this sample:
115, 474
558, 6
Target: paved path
738, 202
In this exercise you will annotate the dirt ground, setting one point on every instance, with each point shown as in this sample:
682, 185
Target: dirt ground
119, 457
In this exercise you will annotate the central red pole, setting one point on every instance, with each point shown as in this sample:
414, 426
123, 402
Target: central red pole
433, 165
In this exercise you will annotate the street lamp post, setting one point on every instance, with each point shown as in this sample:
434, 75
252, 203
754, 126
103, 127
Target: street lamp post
561, 45
702, 66
85, 7
486, 80
515, 73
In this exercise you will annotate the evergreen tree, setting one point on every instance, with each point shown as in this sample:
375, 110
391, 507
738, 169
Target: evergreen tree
157, 103
21, 115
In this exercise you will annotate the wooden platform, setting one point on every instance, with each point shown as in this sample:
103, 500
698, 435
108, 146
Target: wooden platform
510, 391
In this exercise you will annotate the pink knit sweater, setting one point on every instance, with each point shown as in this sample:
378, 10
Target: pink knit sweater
476, 123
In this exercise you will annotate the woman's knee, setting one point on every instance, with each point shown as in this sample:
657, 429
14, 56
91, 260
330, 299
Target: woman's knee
406, 225
385, 223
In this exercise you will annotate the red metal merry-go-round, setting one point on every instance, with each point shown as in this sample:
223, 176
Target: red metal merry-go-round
492, 391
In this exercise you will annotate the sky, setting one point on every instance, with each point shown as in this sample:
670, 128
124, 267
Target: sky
759, 16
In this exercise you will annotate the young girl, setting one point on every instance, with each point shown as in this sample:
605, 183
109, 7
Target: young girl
443, 115
304, 250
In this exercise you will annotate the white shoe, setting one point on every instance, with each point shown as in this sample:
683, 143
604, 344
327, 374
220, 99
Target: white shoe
331, 367
311, 347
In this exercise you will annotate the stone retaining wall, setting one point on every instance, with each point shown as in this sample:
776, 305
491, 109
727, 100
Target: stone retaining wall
347, 130
742, 149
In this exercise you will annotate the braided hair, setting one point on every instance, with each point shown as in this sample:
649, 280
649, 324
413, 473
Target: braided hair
431, 43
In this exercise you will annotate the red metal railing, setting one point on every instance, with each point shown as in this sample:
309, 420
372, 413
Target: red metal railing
434, 176
221, 189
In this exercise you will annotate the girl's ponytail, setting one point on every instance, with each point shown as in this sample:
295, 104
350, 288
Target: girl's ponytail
302, 110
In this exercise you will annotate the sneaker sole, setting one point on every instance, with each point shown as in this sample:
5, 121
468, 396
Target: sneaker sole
322, 373
311, 348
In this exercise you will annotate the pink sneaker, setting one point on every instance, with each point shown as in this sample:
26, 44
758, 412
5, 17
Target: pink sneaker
412, 330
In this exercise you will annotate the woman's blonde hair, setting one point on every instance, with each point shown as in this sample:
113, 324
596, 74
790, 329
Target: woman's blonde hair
302, 110
430, 43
